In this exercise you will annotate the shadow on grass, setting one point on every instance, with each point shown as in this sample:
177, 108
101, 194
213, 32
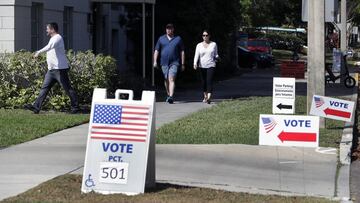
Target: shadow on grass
164, 186
355, 150
337, 128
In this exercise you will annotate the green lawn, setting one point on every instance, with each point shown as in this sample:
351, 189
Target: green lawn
280, 54
18, 126
67, 189
228, 122
235, 122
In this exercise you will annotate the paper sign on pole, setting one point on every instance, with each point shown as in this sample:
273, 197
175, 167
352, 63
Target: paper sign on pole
283, 95
289, 130
120, 152
327, 107
337, 60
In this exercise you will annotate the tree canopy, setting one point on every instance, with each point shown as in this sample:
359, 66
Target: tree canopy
191, 17
257, 13
284, 12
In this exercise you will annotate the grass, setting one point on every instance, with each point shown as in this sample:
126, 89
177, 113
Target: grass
280, 54
235, 122
67, 189
18, 126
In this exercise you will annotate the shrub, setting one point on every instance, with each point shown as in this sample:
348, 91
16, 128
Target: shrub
279, 40
285, 41
21, 77
88, 71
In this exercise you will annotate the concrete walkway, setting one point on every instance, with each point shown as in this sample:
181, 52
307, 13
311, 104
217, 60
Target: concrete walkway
246, 168
279, 170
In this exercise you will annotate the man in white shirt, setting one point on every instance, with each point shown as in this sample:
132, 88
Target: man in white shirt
57, 70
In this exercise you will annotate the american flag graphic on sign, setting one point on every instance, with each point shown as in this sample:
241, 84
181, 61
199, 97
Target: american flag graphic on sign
120, 122
318, 102
269, 123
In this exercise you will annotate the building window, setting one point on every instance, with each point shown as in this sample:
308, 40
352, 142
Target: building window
36, 26
68, 27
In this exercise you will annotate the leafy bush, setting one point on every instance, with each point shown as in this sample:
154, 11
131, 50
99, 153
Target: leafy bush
88, 71
285, 41
21, 78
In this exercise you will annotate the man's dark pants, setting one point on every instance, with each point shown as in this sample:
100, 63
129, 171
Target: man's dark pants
60, 76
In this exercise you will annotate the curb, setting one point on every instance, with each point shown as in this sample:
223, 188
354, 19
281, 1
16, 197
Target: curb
343, 181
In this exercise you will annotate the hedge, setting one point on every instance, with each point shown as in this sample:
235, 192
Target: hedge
21, 77
286, 41
279, 40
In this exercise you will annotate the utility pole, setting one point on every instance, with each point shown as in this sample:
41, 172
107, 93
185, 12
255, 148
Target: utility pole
144, 39
316, 52
343, 27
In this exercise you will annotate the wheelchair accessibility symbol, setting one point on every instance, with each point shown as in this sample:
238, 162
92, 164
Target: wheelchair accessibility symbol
89, 182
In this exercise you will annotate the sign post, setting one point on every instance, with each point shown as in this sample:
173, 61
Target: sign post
327, 107
283, 95
120, 152
289, 130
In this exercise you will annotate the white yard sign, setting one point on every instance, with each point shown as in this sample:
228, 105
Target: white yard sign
120, 139
283, 95
289, 130
332, 108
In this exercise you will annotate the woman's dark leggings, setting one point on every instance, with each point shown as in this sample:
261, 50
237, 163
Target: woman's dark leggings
207, 75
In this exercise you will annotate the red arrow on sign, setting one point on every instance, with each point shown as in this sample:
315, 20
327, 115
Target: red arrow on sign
297, 137
338, 113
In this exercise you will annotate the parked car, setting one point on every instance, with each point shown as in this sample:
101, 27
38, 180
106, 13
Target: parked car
255, 53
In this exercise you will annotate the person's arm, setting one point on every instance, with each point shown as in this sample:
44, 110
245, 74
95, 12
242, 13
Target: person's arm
217, 58
182, 55
156, 53
49, 46
182, 60
196, 57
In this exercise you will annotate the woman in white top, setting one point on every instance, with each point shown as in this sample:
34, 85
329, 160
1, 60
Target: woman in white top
206, 55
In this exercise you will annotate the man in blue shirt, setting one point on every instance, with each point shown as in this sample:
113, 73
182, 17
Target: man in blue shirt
172, 55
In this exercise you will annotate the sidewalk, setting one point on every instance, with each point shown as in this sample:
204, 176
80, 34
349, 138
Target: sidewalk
263, 169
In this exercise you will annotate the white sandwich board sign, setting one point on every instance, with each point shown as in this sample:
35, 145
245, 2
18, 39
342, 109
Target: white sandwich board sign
121, 144
283, 95
328, 107
289, 130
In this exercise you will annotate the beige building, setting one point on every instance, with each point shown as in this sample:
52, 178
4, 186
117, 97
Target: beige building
102, 26
22, 23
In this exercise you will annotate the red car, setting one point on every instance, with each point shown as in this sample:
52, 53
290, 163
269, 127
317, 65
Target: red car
258, 45
255, 53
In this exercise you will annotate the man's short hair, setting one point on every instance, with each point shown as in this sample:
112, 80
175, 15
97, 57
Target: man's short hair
170, 26
54, 26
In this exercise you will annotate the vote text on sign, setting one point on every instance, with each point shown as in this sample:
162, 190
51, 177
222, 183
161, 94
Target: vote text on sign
328, 107
289, 130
